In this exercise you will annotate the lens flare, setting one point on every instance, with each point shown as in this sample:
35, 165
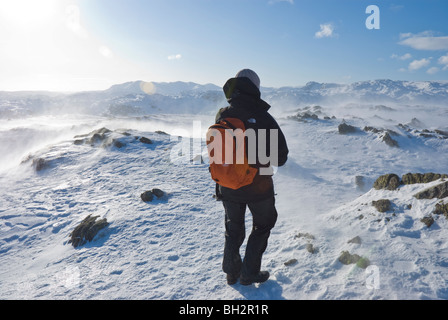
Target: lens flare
148, 87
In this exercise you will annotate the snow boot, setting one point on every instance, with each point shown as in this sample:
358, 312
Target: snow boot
232, 279
261, 277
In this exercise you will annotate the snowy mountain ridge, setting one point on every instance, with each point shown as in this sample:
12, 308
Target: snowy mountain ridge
140, 97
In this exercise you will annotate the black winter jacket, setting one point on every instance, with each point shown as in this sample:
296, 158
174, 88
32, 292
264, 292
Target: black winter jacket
246, 103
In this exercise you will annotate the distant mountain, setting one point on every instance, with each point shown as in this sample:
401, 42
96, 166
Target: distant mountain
140, 97
163, 88
375, 91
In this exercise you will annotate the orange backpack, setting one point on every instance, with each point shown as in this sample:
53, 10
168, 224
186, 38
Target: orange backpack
227, 150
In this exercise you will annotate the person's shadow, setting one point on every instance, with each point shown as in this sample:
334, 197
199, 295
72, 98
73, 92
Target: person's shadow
270, 290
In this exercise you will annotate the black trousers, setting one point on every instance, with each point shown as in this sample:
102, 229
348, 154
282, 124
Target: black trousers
264, 217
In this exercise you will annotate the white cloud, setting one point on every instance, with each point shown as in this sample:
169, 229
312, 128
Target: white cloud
403, 57
424, 41
175, 57
418, 64
443, 60
326, 31
432, 70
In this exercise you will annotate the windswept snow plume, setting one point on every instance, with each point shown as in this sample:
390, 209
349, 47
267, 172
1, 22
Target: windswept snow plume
67, 157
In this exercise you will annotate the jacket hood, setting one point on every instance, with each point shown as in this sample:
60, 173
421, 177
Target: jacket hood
243, 93
241, 86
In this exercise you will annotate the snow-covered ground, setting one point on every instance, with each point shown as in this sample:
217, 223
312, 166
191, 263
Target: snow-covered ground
171, 248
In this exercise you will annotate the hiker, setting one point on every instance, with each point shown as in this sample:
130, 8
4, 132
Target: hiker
244, 96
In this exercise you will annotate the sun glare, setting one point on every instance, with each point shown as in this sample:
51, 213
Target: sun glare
27, 12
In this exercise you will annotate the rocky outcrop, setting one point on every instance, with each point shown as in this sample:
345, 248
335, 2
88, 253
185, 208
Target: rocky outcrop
345, 128
441, 208
87, 230
385, 135
388, 181
310, 113
439, 191
411, 178
387, 139
98, 138
392, 181
106, 138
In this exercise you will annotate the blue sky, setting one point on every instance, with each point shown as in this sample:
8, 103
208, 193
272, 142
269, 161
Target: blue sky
73, 45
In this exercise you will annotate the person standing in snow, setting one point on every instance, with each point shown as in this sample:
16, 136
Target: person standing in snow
245, 103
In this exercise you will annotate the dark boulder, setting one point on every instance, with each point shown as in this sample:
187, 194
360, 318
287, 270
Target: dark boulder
145, 140
40, 164
441, 208
87, 230
348, 258
148, 196
382, 205
344, 128
388, 181
428, 221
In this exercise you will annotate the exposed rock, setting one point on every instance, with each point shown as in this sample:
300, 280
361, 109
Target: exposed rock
388, 181
158, 193
427, 220
389, 141
382, 205
100, 138
310, 248
145, 140
118, 143
433, 134
304, 235
411, 178
290, 262
348, 258
344, 128
382, 108
363, 263
441, 208
78, 142
356, 240
442, 133
304, 116
40, 164
371, 129
439, 191
426, 135
87, 230
148, 196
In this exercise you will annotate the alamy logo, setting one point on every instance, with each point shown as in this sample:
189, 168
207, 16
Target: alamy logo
232, 147
373, 21
240, 147
373, 277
